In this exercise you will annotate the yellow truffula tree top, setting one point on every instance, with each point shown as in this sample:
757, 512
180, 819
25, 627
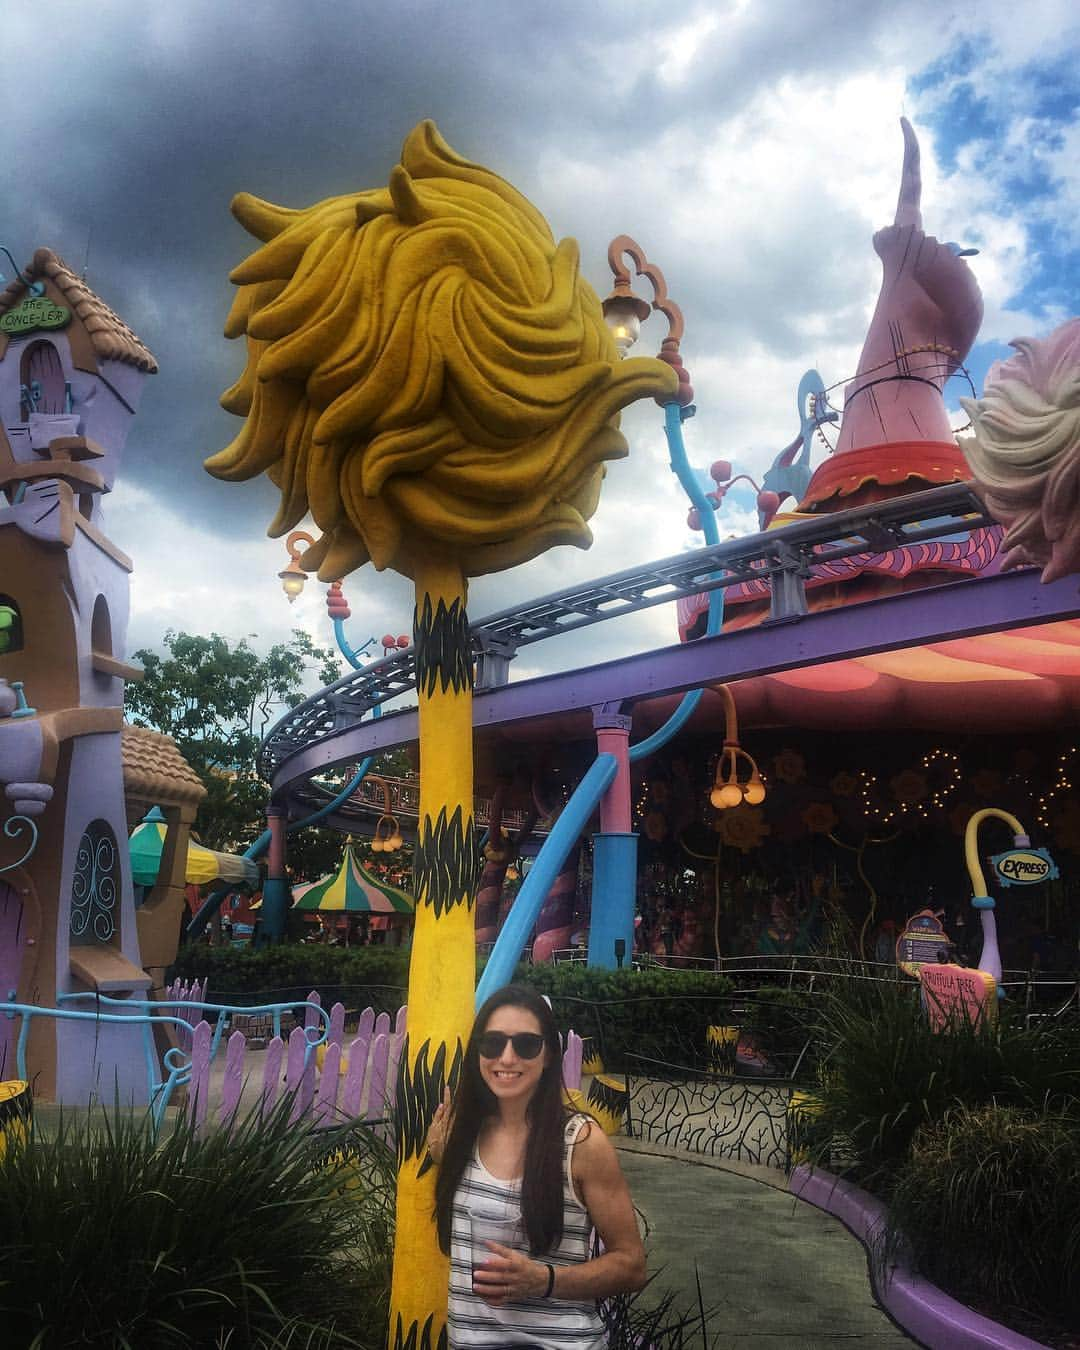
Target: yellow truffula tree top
431, 379
426, 371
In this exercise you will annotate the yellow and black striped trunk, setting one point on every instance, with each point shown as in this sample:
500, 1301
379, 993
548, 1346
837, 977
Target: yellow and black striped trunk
442, 972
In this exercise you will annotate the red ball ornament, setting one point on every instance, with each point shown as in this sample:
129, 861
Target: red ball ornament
693, 518
720, 471
768, 504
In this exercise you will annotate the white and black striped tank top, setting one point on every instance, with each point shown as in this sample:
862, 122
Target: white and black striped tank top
543, 1323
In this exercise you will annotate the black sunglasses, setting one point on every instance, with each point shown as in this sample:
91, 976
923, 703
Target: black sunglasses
527, 1044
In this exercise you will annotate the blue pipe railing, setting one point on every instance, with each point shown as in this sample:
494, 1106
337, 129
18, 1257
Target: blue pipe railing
176, 1061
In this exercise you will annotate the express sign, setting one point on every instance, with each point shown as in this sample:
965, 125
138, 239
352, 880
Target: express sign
1024, 867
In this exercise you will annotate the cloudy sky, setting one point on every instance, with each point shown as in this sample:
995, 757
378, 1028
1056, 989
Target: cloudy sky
752, 147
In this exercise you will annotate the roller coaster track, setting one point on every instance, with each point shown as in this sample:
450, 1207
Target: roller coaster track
326, 729
784, 555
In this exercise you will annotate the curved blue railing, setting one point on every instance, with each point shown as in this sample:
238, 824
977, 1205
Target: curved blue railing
177, 1062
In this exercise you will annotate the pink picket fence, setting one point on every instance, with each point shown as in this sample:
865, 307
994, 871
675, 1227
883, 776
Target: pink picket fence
182, 994
354, 1081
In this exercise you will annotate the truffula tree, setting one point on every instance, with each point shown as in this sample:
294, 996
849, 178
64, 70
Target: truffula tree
431, 379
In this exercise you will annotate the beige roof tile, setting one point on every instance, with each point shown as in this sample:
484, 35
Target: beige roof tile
112, 339
155, 769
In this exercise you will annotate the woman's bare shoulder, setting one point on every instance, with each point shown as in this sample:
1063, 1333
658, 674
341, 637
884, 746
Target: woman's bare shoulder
592, 1147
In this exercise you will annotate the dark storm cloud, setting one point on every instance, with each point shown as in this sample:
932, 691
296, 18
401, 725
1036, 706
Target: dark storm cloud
148, 118
162, 113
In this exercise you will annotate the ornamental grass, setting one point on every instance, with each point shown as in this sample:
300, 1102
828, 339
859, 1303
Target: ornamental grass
987, 1205
884, 1073
263, 1234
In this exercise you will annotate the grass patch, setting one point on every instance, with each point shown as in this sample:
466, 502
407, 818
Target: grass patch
265, 1235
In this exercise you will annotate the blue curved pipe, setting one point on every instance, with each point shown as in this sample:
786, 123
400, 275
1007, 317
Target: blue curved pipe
530, 899
575, 816
351, 654
680, 466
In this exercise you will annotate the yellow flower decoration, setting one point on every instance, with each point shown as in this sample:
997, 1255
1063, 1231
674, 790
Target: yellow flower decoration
820, 818
743, 827
790, 766
909, 787
843, 784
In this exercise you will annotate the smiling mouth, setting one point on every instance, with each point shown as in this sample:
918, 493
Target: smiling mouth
506, 1074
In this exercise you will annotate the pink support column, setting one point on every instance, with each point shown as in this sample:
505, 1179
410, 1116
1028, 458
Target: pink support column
613, 738
275, 856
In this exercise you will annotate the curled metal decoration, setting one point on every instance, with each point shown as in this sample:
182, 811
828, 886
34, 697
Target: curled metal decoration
622, 246
14, 826
94, 887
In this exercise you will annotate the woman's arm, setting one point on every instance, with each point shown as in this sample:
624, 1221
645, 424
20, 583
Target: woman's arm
599, 1181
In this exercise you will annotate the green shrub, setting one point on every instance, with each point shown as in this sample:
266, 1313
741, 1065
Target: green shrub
661, 1014
988, 1207
658, 1014
358, 977
885, 1072
250, 1236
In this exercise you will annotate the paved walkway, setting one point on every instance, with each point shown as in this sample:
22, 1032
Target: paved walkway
779, 1273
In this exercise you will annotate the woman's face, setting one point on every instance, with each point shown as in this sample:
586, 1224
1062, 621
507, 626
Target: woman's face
512, 1076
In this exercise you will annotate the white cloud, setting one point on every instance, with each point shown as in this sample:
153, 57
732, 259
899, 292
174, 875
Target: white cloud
191, 579
771, 155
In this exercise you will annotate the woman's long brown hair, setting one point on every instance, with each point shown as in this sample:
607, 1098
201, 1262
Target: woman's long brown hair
542, 1181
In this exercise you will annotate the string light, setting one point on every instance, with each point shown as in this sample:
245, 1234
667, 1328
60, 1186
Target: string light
1062, 783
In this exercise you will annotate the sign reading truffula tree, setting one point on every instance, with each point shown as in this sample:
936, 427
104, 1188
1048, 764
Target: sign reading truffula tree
954, 994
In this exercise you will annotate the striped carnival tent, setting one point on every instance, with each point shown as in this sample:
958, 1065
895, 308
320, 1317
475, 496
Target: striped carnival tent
203, 864
352, 890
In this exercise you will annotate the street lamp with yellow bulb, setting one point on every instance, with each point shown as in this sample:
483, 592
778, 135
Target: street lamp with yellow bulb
292, 574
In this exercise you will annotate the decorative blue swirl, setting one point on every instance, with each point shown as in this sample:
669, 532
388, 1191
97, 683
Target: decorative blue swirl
13, 826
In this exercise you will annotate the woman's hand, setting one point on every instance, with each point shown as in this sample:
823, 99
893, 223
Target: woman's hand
507, 1276
440, 1127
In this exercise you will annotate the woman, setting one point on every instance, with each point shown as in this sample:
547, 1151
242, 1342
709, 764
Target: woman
508, 1149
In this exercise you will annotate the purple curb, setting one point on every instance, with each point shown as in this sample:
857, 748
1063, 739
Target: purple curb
932, 1317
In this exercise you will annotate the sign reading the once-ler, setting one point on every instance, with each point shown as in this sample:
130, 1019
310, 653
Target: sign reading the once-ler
34, 312
1024, 867
954, 993
920, 942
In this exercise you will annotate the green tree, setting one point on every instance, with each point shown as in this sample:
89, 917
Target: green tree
217, 701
